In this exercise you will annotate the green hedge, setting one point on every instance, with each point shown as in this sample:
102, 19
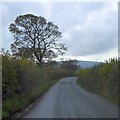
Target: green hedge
24, 81
101, 79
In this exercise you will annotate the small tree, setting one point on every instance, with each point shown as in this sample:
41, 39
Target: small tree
35, 38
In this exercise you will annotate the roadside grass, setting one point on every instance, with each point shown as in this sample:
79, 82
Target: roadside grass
42, 88
102, 93
15, 104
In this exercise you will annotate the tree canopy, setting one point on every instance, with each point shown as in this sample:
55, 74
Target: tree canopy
36, 38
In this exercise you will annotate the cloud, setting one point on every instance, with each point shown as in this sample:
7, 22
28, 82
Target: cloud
47, 8
88, 29
96, 35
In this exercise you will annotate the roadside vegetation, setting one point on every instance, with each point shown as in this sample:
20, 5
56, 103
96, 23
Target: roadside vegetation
30, 70
23, 82
101, 79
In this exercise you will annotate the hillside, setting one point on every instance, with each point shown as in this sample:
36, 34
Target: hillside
88, 64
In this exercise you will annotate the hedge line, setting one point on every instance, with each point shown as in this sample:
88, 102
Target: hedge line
101, 79
24, 81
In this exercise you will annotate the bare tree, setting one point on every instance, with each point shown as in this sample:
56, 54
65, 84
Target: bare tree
35, 38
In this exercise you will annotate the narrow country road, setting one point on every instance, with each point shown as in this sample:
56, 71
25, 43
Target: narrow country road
67, 100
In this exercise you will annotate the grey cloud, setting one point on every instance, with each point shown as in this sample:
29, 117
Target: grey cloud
94, 37
87, 28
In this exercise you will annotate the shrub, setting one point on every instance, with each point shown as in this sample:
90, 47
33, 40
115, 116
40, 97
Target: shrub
23, 81
101, 79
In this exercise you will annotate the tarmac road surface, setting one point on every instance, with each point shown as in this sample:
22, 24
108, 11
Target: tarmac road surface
67, 100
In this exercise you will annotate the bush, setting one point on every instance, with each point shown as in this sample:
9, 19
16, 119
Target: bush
9, 77
101, 79
23, 81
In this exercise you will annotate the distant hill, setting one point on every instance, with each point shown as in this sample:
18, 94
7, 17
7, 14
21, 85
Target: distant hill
88, 64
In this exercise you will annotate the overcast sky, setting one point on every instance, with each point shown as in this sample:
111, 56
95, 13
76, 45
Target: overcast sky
89, 29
